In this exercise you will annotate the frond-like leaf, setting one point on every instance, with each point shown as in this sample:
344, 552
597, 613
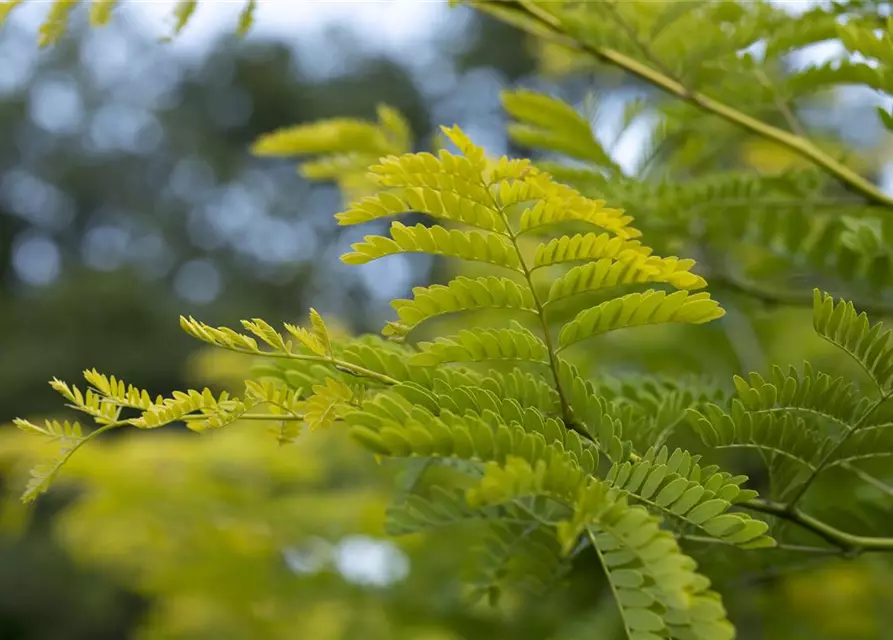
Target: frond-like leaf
118, 392
389, 424
636, 309
869, 345
344, 147
446, 201
809, 393
873, 441
209, 411
590, 246
41, 478
790, 450
652, 407
701, 496
460, 294
67, 433
515, 477
548, 123
219, 337
246, 18
868, 41
93, 403
525, 556
6, 8
183, 11
595, 414
554, 210
436, 240
101, 12
328, 403
630, 268
316, 340
446, 507
480, 345
656, 586
485, 405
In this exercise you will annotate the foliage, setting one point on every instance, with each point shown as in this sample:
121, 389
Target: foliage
549, 465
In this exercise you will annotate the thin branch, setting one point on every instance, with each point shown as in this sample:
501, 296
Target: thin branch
866, 477
529, 17
783, 570
634, 38
785, 296
341, 365
799, 548
849, 543
248, 416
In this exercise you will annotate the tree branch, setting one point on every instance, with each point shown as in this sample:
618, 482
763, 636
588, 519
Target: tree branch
528, 16
848, 543
785, 297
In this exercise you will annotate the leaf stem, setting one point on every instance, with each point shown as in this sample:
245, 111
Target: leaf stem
566, 412
341, 365
248, 416
848, 543
778, 547
784, 297
614, 593
869, 479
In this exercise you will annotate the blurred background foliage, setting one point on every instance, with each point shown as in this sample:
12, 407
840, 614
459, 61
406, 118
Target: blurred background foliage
128, 196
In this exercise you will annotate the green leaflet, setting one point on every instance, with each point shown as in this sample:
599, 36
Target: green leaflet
56, 23
522, 555
101, 12
344, 147
183, 11
446, 201
557, 208
599, 418
396, 428
869, 41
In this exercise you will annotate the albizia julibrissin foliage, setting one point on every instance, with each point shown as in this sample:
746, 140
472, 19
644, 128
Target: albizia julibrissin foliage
553, 464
